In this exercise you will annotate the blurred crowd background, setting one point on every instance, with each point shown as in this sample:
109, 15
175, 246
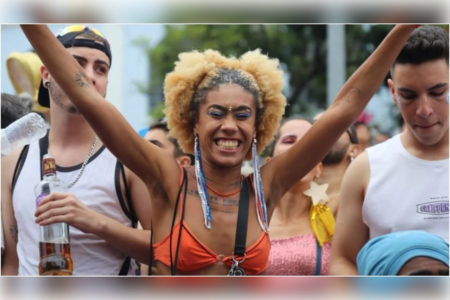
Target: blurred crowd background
316, 58
143, 53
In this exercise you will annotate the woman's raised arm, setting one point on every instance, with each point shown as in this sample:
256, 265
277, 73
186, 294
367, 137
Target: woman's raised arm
286, 169
143, 158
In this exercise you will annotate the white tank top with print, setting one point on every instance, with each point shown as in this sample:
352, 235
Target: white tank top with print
405, 192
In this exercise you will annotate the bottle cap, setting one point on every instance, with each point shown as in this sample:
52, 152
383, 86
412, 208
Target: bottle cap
48, 165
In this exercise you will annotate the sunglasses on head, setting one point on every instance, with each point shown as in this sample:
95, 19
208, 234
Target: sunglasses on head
79, 28
351, 131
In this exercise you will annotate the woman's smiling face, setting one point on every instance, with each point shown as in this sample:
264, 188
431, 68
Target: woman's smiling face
226, 125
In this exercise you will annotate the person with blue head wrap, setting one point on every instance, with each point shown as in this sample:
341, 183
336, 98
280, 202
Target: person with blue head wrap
388, 254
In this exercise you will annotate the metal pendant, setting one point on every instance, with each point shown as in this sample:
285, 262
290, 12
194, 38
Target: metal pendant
235, 270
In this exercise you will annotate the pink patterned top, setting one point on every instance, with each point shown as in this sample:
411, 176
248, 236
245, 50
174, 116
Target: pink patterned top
297, 256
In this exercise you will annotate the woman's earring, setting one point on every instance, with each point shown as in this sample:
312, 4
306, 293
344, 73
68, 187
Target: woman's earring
320, 216
258, 188
201, 185
47, 84
317, 192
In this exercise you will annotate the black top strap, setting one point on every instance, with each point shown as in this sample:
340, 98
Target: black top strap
177, 250
127, 208
132, 212
150, 264
19, 166
173, 264
242, 222
127, 203
43, 149
125, 266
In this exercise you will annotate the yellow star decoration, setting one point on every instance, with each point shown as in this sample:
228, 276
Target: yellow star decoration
317, 192
320, 216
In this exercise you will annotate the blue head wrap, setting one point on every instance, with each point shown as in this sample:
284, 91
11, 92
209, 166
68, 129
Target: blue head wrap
386, 254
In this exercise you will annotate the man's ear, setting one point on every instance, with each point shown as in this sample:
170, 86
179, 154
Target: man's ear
184, 160
318, 170
45, 75
392, 89
353, 150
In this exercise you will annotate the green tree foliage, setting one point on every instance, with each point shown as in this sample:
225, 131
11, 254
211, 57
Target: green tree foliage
301, 49
360, 42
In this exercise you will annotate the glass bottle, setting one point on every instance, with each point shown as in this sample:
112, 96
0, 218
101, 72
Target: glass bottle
54, 241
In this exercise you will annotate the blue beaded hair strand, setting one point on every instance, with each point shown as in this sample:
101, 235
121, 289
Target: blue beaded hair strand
259, 193
201, 186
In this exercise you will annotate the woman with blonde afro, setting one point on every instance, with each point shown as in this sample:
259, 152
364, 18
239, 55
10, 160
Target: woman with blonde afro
208, 219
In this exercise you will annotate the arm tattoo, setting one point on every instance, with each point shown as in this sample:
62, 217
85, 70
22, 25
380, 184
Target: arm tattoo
81, 79
354, 92
14, 232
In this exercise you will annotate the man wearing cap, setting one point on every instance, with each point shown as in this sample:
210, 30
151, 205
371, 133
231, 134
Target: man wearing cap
102, 197
402, 183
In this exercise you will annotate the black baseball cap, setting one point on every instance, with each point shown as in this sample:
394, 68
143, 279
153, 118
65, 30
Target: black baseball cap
77, 36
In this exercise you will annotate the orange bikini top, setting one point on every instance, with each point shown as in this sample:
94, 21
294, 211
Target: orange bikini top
194, 255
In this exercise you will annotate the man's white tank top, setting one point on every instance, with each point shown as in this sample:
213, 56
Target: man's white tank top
405, 192
96, 188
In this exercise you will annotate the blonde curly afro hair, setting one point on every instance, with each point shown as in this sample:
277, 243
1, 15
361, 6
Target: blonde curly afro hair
196, 73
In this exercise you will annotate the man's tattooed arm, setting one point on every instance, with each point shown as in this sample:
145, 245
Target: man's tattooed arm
81, 79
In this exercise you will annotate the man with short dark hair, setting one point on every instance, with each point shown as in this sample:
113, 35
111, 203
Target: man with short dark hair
402, 184
158, 134
336, 162
101, 193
